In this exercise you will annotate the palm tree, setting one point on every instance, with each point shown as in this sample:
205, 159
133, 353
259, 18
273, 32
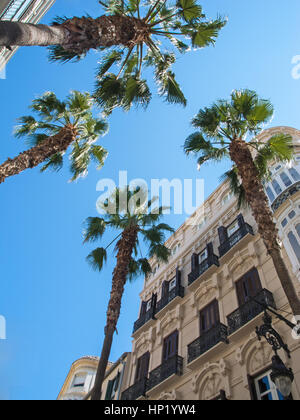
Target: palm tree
128, 213
134, 34
60, 125
229, 129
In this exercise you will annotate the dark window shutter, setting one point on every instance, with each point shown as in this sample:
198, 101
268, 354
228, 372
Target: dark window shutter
248, 286
165, 288
252, 388
170, 347
210, 249
142, 367
143, 308
117, 381
178, 278
209, 317
195, 261
109, 390
223, 234
241, 220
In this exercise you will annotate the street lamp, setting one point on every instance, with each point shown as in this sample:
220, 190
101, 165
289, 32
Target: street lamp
282, 377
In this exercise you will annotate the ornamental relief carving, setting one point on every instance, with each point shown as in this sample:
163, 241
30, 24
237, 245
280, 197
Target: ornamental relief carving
214, 377
254, 356
169, 396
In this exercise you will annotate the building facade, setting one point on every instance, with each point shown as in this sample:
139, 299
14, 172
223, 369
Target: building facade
195, 335
81, 379
26, 11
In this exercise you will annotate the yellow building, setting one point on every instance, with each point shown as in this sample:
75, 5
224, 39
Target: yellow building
81, 378
195, 336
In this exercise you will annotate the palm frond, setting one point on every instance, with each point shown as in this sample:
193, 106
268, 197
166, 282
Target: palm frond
97, 258
236, 186
55, 163
94, 229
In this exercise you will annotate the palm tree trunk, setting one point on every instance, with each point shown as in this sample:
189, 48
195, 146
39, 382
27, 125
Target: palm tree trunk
77, 35
125, 248
38, 154
258, 201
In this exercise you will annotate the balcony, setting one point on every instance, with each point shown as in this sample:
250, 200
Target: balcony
202, 268
207, 341
135, 391
178, 291
144, 319
249, 311
243, 231
285, 196
173, 366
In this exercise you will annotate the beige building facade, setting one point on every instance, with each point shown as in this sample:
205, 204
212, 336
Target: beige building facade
26, 11
195, 335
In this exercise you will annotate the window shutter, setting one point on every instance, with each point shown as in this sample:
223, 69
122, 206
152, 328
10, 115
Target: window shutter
195, 262
210, 249
143, 308
178, 278
170, 347
253, 394
241, 220
223, 235
109, 390
165, 288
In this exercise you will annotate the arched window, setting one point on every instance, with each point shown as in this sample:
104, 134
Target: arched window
295, 244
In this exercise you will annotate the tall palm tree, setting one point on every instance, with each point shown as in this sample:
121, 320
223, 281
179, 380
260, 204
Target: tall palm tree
134, 34
229, 129
59, 126
129, 213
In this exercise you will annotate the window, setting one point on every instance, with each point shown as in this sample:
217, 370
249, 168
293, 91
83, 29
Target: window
298, 229
79, 381
294, 174
277, 168
112, 387
233, 228
266, 389
209, 317
292, 214
172, 284
170, 347
148, 306
203, 256
248, 286
270, 194
285, 179
202, 223
276, 187
295, 243
227, 198
142, 367
284, 223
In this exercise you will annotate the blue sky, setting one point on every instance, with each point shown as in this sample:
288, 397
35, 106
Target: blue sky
53, 303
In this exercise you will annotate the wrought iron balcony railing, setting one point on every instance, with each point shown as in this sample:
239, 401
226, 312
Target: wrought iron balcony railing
235, 238
204, 266
144, 319
289, 192
135, 391
178, 291
173, 366
207, 341
249, 311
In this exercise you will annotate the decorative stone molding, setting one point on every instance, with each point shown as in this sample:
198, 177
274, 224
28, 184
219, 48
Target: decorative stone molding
211, 379
169, 396
253, 357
